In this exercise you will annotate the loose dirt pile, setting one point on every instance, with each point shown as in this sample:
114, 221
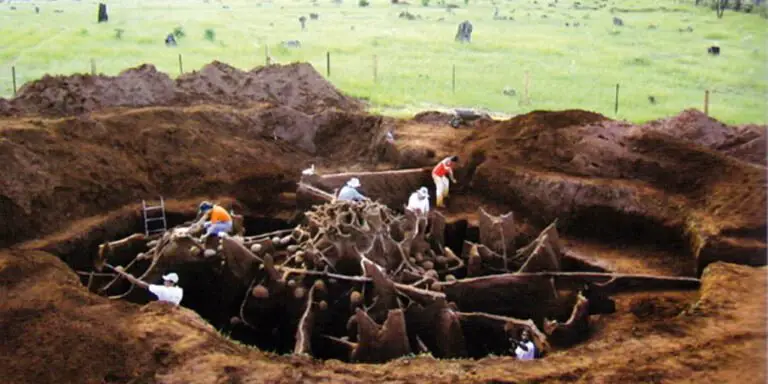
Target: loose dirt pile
295, 86
113, 158
645, 186
62, 170
745, 142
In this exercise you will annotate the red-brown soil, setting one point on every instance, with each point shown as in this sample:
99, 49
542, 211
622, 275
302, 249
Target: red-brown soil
295, 86
55, 331
80, 152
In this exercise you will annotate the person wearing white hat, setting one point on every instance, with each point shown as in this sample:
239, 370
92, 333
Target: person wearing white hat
349, 191
419, 201
169, 291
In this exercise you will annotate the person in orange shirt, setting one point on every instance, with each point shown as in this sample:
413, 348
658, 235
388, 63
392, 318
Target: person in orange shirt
217, 219
440, 174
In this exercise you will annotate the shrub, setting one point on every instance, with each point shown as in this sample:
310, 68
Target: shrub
119, 33
210, 34
425, 3
363, 3
178, 32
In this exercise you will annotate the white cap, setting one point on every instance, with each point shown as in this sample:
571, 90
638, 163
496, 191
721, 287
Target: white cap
353, 182
423, 192
171, 277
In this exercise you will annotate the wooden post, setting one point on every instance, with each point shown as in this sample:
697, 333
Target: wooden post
181, 66
13, 75
616, 102
266, 55
453, 79
328, 63
93, 67
103, 18
375, 69
706, 102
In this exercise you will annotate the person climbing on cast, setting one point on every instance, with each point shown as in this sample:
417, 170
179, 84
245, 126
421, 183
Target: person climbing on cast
216, 219
349, 191
419, 201
440, 174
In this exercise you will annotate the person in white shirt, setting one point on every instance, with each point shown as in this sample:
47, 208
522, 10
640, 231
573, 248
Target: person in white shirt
524, 349
349, 191
169, 291
419, 201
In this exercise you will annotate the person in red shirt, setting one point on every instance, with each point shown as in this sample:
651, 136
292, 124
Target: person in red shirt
440, 174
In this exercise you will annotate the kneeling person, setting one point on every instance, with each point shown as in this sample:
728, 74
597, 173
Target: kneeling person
217, 219
419, 201
349, 191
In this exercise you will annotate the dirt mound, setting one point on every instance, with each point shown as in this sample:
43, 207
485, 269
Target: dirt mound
548, 120
297, 86
78, 337
433, 117
641, 184
746, 142
66, 169
67, 95
82, 166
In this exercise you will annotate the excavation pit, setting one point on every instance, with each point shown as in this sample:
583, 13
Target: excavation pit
359, 282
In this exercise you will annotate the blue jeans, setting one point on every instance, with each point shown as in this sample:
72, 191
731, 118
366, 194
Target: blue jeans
215, 229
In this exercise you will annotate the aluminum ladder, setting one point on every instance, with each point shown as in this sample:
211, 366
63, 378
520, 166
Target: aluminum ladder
154, 217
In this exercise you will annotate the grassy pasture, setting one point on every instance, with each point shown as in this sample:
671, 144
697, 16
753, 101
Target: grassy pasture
569, 66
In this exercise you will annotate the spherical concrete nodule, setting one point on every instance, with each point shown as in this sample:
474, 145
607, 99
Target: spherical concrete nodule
299, 292
260, 292
355, 298
320, 285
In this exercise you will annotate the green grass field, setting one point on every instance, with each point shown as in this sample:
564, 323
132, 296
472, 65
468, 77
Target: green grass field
569, 67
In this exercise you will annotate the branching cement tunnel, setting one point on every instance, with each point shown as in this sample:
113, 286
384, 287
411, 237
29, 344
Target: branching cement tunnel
368, 282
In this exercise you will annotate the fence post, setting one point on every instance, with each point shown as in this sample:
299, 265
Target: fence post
181, 65
453, 79
93, 67
13, 75
616, 102
328, 63
375, 69
706, 102
266, 55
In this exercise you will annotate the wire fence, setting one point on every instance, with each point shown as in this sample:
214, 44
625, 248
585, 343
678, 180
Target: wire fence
459, 84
